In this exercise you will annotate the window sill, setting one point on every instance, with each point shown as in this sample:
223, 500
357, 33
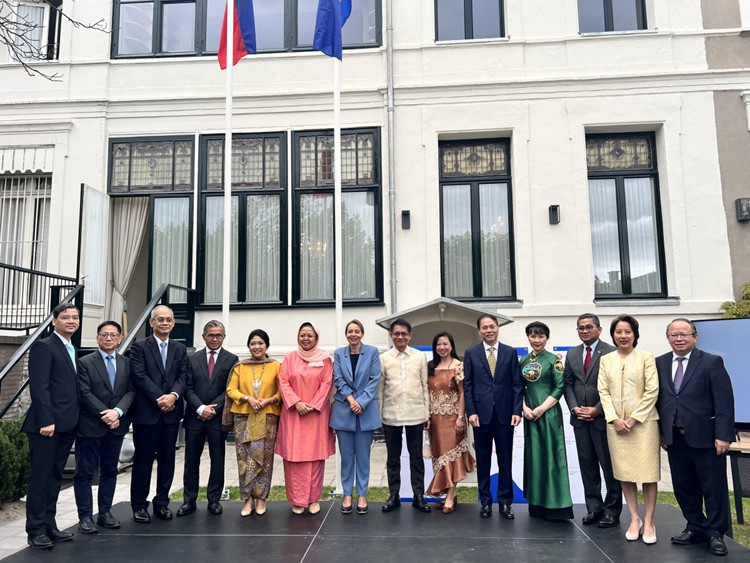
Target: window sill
618, 33
638, 302
472, 41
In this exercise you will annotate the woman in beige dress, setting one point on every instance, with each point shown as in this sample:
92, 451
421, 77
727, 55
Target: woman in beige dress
628, 387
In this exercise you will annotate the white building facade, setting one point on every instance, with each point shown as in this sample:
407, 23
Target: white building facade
545, 159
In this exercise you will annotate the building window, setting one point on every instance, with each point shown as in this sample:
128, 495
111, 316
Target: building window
458, 20
24, 220
598, 16
314, 212
193, 27
626, 232
259, 198
151, 165
36, 32
476, 220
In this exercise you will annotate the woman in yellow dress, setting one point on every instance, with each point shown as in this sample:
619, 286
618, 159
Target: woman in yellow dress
256, 403
628, 387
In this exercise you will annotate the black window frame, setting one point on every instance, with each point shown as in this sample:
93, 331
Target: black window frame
290, 30
469, 22
609, 20
622, 219
474, 182
297, 191
243, 193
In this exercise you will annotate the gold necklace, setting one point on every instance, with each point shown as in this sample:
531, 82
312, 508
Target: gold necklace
257, 380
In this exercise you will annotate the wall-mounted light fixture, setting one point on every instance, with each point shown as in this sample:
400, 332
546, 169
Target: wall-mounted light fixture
742, 207
554, 214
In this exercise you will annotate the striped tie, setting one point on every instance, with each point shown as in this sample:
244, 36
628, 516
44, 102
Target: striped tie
492, 361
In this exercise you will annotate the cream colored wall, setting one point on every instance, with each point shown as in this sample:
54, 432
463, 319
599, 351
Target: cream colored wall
544, 86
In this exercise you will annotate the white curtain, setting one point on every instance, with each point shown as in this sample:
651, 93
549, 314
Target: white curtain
170, 244
263, 260
494, 222
643, 250
458, 263
29, 42
316, 247
358, 238
214, 250
129, 224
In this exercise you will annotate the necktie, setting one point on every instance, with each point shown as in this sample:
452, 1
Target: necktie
492, 361
111, 370
587, 360
163, 354
211, 363
679, 374
71, 353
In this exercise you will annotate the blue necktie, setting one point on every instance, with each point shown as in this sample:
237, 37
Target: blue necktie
71, 353
163, 354
111, 370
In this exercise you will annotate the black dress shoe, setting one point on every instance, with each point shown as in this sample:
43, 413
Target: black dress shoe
717, 546
392, 503
420, 504
688, 537
592, 518
163, 513
609, 521
215, 508
57, 535
506, 512
86, 526
41, 541
106, 520
485, 511
186, 508
141, 516
346, 509
362, 509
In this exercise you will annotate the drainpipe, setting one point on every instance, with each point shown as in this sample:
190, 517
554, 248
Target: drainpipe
391, 151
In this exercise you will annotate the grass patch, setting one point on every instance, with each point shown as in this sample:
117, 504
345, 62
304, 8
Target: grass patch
468, 495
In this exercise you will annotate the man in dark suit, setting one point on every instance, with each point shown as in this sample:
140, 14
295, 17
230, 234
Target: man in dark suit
106, 396
696, 416
590, 427
493, 392
51, 424
207, 375
158, 369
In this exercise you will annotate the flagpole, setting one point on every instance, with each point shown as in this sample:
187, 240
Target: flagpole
226, 263
338, 240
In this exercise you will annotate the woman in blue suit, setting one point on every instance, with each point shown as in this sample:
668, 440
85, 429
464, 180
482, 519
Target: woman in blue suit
354, 413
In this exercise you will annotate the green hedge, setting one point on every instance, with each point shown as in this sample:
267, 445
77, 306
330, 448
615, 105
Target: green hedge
14, 461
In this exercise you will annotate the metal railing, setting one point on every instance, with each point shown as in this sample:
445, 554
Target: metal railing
27, 296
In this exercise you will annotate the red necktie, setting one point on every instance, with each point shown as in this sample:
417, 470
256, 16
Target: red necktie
211, 363
587, 360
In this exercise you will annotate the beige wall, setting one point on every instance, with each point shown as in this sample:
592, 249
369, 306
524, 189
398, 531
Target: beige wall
719, 14
733, 139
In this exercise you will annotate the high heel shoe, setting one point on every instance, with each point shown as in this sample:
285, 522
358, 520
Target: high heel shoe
650, 540
635, 536
314, 508
245, 512
451, 508
258, 510
298, 510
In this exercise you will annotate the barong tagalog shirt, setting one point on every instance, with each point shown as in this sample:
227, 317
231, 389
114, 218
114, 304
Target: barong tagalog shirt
403, 393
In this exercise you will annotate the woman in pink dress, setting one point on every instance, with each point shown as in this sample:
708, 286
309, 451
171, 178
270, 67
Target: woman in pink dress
305, 440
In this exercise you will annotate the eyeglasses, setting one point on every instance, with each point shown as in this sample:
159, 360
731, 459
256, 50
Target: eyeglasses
214, 336
164, 320
399, 334
585, 328
108, 336
676, 335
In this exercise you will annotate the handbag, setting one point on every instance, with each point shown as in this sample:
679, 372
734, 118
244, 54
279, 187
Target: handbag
227, 416
426, 448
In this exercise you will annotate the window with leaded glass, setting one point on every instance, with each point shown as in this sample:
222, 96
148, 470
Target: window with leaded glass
151, 165
599, 16
626, 232
314, 236
193, 27
457, 20
476, 220
258, 216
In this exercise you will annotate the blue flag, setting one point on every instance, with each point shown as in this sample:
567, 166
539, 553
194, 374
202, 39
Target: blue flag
331, 17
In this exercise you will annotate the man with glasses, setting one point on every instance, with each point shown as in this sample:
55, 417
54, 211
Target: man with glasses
404, 404
158, 368
106, 396
51, 424
207, 374
589, 426
696, 415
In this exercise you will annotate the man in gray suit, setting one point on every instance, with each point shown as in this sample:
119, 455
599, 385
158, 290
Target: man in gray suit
589, 425
106, 396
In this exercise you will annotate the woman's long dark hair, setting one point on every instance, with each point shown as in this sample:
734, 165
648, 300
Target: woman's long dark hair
432, 364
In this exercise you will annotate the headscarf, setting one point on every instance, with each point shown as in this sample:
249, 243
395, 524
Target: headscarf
316, 354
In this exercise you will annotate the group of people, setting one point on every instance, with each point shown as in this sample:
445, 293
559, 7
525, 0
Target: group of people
624, 405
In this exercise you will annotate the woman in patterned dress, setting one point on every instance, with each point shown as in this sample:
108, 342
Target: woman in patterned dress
256, 403
545, 467
628, 387
451, 460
